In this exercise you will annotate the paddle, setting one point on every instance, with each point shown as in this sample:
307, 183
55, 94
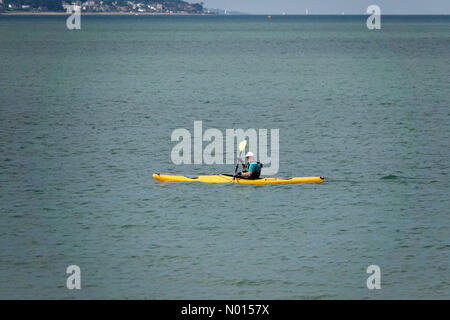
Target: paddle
242, 146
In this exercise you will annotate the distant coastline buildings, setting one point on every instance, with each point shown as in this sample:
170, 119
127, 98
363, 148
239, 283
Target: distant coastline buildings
134, 6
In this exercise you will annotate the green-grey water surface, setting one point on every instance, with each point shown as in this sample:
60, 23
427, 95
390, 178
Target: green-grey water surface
86, 117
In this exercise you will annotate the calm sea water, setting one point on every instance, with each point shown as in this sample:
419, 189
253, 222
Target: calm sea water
86, 118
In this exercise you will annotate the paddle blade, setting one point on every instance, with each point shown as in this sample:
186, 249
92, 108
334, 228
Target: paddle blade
242, 145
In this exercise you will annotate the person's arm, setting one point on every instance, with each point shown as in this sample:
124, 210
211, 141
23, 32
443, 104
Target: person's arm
246, 174
252, 166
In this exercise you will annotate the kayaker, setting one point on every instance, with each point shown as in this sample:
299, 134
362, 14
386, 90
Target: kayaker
251, 168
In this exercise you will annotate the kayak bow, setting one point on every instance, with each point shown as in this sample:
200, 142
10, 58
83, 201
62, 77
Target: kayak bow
225, 178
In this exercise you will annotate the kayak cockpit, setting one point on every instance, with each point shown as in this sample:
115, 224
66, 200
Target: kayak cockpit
241, 177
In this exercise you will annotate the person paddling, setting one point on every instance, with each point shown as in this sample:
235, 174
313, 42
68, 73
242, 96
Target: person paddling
251, 169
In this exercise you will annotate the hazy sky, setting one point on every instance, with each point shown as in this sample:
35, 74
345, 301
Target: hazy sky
331, 6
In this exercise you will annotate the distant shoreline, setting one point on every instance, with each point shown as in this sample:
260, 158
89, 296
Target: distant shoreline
118, 13
104, 14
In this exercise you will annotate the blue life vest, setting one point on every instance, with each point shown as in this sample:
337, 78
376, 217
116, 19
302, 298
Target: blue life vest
255, 168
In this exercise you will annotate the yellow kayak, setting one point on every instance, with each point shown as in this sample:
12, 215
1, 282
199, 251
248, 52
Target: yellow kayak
225, 178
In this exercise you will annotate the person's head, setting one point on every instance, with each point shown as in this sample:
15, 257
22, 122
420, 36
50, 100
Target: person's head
250, 157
